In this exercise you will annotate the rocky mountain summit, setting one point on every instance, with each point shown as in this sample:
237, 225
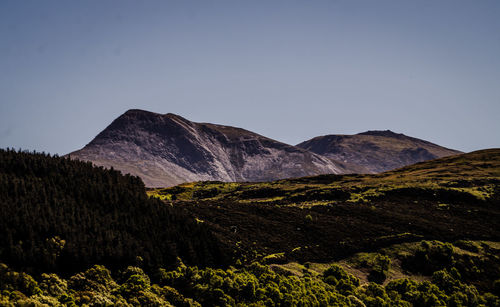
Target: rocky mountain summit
376, 151
167, 149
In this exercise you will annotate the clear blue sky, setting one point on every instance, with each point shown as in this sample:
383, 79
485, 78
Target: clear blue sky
290, 70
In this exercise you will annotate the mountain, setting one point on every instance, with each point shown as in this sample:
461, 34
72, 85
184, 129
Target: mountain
166, 150
377, 151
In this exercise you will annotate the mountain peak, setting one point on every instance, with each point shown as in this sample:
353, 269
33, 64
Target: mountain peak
376, 150
138, 112
387, 133
176, 117
171, 115
167, 149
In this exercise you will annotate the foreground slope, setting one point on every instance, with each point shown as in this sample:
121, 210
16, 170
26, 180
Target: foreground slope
330, 240
377, 151
165, 150
435, 274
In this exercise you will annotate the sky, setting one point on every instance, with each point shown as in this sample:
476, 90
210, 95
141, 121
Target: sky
289, 70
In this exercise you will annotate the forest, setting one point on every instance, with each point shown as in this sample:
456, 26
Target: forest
62, 216
263, 285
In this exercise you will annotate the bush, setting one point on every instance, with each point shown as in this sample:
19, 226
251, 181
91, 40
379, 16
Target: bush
431, 256
380, 269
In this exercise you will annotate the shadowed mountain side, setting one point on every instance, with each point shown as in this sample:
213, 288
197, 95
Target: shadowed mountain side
377, 151
166, 150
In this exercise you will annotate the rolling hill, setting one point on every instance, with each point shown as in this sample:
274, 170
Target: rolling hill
447, 199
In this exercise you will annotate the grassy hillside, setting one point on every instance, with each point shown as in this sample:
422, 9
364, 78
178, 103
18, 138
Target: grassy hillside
327, 217
475, 174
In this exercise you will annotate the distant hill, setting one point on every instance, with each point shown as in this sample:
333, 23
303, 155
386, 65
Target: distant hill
165, 150
376, 151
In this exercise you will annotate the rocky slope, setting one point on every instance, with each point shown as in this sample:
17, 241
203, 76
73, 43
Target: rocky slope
166, 150
377, 151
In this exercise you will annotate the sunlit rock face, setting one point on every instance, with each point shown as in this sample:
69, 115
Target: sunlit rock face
166, 149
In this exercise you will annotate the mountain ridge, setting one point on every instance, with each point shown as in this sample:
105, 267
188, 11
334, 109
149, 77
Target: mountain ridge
376, 150
167, 149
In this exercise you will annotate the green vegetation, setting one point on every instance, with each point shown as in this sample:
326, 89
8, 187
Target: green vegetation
333, 216
60, 215
464, 176
424, 235
295, 194
378, 265
262, 285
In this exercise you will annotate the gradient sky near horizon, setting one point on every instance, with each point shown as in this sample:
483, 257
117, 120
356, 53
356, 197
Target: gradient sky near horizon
289, 70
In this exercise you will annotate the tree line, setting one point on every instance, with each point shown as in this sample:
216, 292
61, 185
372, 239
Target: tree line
61, 215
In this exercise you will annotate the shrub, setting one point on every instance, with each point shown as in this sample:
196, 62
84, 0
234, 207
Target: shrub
380, 268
